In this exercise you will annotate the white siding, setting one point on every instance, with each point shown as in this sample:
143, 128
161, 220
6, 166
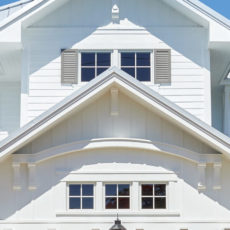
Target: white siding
9, 106
133, 121
187, 40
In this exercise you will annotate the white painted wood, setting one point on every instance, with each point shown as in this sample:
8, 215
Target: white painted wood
32, 184
217, 176
114, 102
17, 176
202, 176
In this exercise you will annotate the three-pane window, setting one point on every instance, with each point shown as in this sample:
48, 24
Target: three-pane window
137, 64
153, 196
81, 196
117, 196
93, 64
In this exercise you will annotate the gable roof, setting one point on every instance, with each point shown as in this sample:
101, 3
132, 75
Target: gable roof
196, 127
194, 4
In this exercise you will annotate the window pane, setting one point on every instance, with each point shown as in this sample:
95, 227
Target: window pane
87, 74
127, 59
74, 203
160, 203
130, 71
123, 189
147, 189
87, 190
147, 203
103, 59
143, 59
74, 190
87, 203
123, 203
111, 203
110, 189
160, 190
88, 59
143, 74
101, 70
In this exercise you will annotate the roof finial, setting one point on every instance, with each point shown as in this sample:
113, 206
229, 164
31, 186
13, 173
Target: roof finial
115, 14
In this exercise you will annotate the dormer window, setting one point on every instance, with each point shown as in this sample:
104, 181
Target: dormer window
137, 64
93, 64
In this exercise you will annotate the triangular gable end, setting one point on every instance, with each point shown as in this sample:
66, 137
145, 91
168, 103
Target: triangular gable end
115, 119
140, 92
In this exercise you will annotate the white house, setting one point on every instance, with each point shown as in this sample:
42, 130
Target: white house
114, 107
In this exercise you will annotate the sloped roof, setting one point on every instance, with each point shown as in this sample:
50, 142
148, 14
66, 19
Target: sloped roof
9, 9
195, 4
177, 115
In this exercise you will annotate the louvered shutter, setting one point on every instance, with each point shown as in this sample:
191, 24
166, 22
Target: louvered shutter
69, 66
162, 66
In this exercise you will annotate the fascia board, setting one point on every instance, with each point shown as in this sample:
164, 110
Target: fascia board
179, 116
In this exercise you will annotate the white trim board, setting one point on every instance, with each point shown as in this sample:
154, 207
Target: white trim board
118, 78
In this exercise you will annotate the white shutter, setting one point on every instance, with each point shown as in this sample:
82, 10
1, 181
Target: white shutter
69, 66
162, 66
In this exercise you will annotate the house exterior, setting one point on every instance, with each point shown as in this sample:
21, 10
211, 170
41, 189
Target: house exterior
114, 107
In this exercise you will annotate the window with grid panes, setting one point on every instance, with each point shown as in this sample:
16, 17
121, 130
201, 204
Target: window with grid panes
81, 196
137, 64
153, 196
117, 196
93, 64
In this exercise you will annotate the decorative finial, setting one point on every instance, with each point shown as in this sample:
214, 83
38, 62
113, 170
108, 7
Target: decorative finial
115, 14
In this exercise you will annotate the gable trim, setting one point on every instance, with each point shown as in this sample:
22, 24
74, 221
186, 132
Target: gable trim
211, 136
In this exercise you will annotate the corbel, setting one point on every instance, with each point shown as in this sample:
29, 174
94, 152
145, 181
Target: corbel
32, 185
114, 102
202, 176
217, 175
16, 176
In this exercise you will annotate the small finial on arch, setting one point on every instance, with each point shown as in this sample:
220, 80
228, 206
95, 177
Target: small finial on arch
115, 14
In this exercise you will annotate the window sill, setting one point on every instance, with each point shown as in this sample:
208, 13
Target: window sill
155, 213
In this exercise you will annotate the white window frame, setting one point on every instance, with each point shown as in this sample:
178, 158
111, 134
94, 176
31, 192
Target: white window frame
130, 196
92, 51
151, 51
68, 196
153, 196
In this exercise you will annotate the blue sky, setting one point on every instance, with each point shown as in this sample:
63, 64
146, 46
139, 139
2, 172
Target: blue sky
221, 6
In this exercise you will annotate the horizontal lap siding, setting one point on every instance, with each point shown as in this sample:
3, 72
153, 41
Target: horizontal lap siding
45, 88
187, 87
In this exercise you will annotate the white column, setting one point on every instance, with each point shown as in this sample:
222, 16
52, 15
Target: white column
32, 184
227, 110
217, 175
16, 176
202, 176
24, 86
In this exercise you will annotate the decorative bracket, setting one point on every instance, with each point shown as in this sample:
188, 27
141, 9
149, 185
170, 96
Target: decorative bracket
202, 176
114, 102
32, 176
217, 175
16, 176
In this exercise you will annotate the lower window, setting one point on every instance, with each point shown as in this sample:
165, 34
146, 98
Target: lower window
153, 196
117, 196
81, 196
